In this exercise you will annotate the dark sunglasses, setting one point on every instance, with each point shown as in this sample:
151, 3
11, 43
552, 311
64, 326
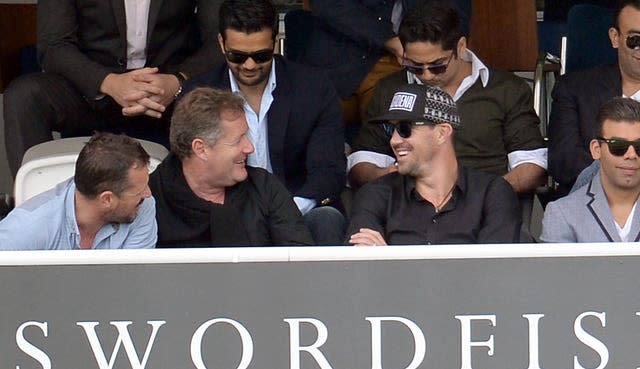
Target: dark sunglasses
619, 147
403, 127
418, 69
633, 42
239, 57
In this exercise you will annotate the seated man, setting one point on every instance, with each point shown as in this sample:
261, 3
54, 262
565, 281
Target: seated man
293, 114
206, 195
431, 199
499, 134
605, 208
109, 66
106, 205
578, 96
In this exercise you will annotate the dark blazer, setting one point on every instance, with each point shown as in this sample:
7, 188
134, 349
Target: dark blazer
577, 97
348, 37
84, 40
305, 132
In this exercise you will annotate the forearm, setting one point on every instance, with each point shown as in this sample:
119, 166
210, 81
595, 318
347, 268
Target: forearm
525, 178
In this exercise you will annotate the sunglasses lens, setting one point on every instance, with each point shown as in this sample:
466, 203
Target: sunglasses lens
633, 42
236, 58
438, 69
262, 56
404, 129
620, 147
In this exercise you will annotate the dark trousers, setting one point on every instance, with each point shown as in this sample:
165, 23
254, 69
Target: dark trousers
39, 103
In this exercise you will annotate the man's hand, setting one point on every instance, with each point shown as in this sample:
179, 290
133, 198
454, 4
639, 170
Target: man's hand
120, 86
152, 105
367, 237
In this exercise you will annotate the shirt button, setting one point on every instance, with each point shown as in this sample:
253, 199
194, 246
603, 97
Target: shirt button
434, 221
428, 242
379, 18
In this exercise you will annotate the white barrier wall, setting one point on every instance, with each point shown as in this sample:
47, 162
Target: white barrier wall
480, 306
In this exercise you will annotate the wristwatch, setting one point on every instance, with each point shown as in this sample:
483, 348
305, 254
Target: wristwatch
181, 81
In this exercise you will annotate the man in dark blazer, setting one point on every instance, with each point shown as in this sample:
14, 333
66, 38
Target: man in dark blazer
112, 65
293, 113
578, 96
350, 37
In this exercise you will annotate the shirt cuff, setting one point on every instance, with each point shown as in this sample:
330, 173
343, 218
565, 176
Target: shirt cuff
304, 204
363, 156
537, 157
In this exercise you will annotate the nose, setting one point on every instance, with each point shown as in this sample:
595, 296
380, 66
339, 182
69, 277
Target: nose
395, 137
147, 192
249, 63
631, 153
248, 147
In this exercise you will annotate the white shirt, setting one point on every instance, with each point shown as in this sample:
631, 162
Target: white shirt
624, 231
137, 12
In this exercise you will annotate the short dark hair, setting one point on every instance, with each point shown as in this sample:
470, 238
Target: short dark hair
617, 109
197, 115
104, 164
248, 16
621, 4
436, 22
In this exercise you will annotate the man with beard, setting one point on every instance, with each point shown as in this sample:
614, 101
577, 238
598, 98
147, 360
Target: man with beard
499, 134
106, 205
292, 110
431, 199
206, 194
605, 208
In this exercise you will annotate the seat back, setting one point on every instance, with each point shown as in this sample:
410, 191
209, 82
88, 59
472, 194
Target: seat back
49, 163
587, 43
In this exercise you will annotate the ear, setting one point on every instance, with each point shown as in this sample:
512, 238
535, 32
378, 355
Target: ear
595, 147
461, 48
107, 199
199, 148
221, 43
614, 36
444, 132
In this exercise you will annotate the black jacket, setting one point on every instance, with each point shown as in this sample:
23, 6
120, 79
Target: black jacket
256, 212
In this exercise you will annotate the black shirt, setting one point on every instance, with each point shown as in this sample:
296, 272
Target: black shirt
483, 209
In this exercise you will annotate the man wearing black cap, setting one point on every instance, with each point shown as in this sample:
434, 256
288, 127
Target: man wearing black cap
431, 199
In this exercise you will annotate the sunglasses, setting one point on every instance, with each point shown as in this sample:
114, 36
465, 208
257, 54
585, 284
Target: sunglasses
633, 42
418, 69
403, 127
619, 147
239, 57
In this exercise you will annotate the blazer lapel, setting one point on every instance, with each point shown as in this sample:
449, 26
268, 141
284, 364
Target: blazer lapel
599, 208
278, 120
154, 10
120, 16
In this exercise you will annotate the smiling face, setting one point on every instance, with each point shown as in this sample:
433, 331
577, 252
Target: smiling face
619, 172
128, 202
415, 152
249, 73
227, 157
628, 59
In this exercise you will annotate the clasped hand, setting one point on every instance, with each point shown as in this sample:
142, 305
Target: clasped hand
142, 91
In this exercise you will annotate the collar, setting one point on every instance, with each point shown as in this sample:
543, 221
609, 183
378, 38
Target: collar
271, 82
70, 209
460, 185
